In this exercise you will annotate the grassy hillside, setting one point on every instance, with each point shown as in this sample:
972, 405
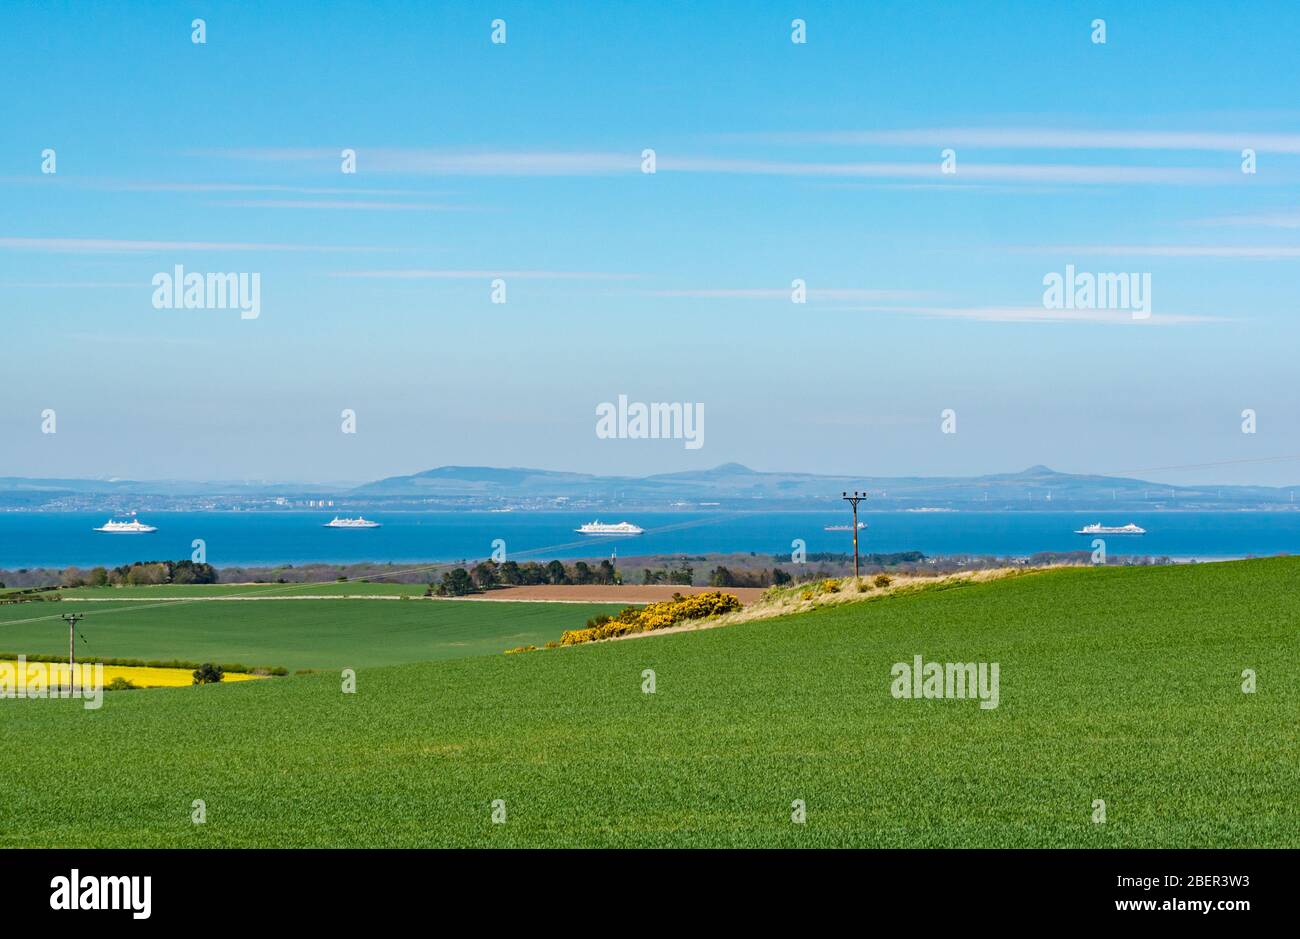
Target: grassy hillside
1116, 684
293, 633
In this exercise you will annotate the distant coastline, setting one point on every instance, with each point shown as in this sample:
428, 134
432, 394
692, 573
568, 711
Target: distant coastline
726, 488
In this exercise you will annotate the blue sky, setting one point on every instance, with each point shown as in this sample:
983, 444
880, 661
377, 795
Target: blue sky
776, 161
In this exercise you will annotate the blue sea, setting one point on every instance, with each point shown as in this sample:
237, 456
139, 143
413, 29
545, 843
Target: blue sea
270, 538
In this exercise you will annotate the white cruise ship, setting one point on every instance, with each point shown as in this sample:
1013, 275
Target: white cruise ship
132, 527
861, 525
1097, 528
357, 522
601, 528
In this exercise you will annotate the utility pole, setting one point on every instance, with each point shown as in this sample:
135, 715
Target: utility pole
853, 500
71, 620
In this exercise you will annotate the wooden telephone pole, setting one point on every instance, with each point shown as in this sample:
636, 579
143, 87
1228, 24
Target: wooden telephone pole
853, 500
71, 620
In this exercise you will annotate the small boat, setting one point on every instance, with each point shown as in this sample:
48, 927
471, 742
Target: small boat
1097, 528
132, 527
861, 525
602, 528
357, 522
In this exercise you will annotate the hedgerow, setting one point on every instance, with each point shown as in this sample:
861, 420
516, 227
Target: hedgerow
235, 668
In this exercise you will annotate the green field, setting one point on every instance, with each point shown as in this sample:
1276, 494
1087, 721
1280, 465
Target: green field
1122, 684
295, 634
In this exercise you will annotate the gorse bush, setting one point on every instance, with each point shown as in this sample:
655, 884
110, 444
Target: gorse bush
655, 616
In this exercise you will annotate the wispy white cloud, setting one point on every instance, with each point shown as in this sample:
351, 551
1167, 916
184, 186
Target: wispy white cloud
1037, 314
967, 187
1266, 220
777, 293
133, 185
534, 163
1028, 138
137, 186
74, 285
876, 301
437, 162
968, 170
598, 163
1257, 252
343, 204
484, 273
120, 246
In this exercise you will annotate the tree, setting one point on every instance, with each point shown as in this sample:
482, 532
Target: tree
208, 674
484, 574
510, 574
456, 583
188, 572
581, 573
684, 575
555, 573
146, 574
780, 577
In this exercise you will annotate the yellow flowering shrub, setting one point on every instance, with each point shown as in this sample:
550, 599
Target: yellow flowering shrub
653, 616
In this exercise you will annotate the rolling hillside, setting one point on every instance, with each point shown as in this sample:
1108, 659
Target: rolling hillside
296, 634
1120, 684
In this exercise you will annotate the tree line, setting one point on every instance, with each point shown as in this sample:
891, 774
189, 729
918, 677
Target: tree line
141, 573
487, 575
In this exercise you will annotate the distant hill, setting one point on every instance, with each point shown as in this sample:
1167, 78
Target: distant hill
14, 484
733, 482
730, 486
466, 480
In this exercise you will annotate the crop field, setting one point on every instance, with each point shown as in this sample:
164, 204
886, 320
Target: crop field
1121, 685
296, 634
140, 676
